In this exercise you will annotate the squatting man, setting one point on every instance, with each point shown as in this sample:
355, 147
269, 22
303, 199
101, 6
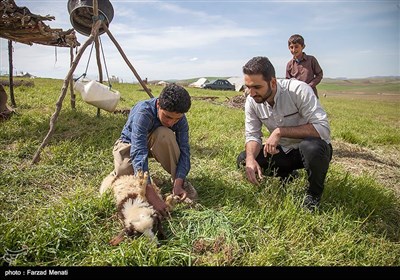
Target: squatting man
298, 125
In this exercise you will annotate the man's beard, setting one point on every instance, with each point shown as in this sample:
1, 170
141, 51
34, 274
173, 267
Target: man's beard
262, 99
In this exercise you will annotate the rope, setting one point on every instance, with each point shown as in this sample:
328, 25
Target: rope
87, 64
105, 64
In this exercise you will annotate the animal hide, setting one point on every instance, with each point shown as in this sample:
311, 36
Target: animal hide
137, 215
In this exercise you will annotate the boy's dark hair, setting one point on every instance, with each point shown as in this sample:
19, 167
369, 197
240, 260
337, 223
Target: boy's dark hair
296, 39
260, 65
174, 98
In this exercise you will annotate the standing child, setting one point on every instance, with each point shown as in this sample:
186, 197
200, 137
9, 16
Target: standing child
303, 67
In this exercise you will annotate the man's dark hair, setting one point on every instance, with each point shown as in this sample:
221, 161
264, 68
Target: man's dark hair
296, 39
174, 98
260, 65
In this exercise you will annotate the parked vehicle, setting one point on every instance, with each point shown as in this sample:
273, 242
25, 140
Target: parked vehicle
219, 84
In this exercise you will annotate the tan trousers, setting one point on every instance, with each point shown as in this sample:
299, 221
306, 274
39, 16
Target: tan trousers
162, 146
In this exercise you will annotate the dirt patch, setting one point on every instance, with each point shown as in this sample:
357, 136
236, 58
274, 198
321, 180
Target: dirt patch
205, 98
18, 83
382, 164
237, 101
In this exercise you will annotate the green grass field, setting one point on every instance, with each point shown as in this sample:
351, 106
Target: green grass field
52, 214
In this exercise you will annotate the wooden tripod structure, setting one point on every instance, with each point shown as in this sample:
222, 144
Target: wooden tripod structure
94, 36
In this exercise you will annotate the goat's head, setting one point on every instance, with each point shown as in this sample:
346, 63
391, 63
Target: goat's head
138, 215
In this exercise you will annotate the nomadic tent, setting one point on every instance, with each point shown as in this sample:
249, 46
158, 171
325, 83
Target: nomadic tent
199, 83
162, 83
237, 82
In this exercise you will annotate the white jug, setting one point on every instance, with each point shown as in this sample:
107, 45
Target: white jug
98, 95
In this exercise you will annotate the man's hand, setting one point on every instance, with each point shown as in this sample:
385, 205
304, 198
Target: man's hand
156, 201
253, 170
271, 144
178, 189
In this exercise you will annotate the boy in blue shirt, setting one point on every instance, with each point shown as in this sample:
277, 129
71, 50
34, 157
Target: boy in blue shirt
157, 128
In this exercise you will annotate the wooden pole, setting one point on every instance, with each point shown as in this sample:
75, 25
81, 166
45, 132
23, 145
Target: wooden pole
10, 76
71, 83
97, 47
97, 44
67, 79
126, 59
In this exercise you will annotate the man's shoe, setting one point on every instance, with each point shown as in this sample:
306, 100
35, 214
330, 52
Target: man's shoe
311, 202
295, 174
241, 160
190, 190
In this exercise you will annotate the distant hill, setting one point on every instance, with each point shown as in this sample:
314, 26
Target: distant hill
338, 80
372, 80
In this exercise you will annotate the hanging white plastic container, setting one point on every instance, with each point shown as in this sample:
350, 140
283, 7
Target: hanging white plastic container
98, 95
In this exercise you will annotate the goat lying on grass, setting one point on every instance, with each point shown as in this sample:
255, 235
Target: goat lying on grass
138, 216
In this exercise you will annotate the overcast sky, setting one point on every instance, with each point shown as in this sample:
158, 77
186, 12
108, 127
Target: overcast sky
188, 39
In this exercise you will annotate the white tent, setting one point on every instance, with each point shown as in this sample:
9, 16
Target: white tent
162, 83
199, 83
238, 82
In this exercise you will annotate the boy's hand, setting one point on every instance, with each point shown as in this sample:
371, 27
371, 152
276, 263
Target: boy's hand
179, 191
156, 201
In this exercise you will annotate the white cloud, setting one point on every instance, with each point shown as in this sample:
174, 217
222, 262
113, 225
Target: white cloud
183, 39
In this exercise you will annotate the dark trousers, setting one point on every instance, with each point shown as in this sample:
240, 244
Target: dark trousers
313, 154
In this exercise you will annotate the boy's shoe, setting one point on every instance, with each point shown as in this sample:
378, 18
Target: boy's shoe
190, 190
311, 202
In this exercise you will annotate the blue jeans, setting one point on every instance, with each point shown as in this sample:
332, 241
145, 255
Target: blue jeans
313, 154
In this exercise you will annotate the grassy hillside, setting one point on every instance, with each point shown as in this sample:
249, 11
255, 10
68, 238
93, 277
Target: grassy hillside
366, 86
